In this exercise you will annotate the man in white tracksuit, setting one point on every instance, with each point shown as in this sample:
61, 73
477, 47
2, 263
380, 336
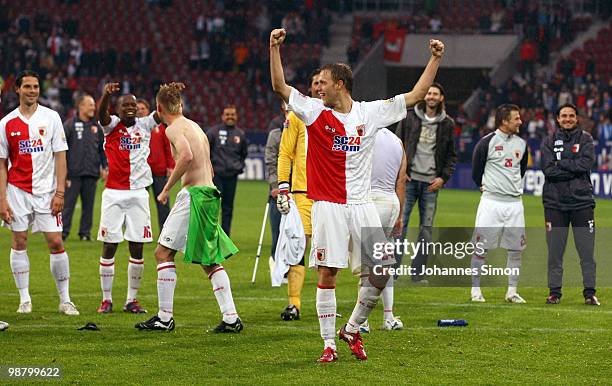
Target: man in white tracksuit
388, 195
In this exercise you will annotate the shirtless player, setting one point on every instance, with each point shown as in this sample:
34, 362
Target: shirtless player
193, 225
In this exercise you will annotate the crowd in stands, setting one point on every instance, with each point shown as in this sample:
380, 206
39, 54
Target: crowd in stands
226, 42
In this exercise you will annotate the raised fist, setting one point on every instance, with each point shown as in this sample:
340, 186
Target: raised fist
436, 47
111, 88
277, 37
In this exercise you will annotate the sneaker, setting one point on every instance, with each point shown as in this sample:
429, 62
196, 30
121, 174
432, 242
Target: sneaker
329, 355
515, 298
591, 301
290, 313
364, 328
553, 299
106, 307
134, 307
68, 308
478, 298
355, 343
155, 323
223, 327
25, 308
3, 325
393, 324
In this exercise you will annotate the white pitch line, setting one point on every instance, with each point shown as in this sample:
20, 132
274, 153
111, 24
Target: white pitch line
549, 308
311, 327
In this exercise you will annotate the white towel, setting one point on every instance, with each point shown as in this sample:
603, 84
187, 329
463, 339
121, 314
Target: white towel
291, 244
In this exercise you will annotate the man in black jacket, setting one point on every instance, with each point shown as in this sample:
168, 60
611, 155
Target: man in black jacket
228, 150
567, 158
427, 133
86, 163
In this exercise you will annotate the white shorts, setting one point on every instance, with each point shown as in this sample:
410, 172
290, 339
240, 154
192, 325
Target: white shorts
129, 208
336, 231
496, 218
174, 232
29, 209
388, 208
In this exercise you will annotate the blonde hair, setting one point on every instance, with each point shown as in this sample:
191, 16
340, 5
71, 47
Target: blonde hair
169, 96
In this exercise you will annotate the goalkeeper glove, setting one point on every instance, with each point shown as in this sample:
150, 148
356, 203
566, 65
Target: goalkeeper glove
282, 199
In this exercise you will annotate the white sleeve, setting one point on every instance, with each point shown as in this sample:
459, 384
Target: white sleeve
58, 140
306, 108
113, 123
147, 123
4, 150
384, 113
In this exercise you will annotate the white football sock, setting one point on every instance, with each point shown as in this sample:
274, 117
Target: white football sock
514, 263
135, 268
107, 274
387, 300
166, 283
60, 268
366, 301
326, 310
476, 265
223, 292
20, 265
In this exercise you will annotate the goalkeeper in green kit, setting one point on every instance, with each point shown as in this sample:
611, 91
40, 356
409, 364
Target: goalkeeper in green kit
193, 223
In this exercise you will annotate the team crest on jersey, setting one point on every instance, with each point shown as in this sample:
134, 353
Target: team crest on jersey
321, 254
330, 129
499, 148
517, 154
94, 129
236, 139
346, 143
42, 131
575, 148
361, 130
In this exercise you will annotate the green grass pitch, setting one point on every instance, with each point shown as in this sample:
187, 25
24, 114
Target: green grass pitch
509, 344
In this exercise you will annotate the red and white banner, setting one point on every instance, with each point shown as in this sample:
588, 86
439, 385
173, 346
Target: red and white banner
394, 44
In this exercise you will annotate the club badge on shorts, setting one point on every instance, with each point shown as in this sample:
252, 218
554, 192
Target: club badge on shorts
321, 254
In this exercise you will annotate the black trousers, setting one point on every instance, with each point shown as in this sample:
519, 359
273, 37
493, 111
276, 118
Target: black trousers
557, 228
227, 187
162, 209
86, 188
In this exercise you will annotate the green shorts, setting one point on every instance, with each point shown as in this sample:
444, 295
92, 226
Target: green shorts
207, 243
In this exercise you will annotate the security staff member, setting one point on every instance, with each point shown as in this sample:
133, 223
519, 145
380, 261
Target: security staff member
228, 150
86, 163
567, 158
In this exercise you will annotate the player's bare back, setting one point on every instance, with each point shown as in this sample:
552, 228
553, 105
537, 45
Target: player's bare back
200, 169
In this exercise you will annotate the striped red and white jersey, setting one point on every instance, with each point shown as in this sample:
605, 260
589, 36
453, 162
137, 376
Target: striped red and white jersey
127, 150
29, 145
340, 146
